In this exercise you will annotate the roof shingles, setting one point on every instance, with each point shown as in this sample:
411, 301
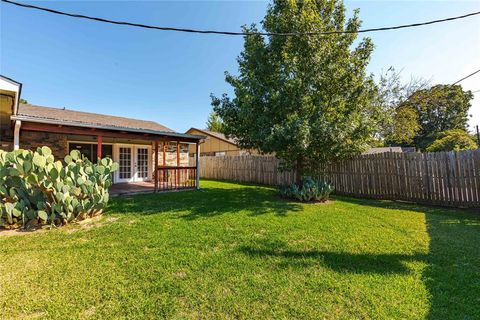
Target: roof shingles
73, 117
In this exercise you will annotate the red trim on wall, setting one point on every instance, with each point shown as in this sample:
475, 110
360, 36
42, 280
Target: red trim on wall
99, 146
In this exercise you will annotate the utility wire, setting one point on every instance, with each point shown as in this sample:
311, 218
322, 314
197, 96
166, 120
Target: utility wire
232, 33
471, 74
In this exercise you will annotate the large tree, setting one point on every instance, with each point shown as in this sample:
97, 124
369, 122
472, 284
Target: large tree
399, 124
439, 108
306, 98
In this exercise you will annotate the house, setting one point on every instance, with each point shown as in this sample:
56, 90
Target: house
217, 144
146, 151
389, 149
10, 91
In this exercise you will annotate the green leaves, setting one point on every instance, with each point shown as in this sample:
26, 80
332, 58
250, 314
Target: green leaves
306, 99
42, 215
75, 154
214, 123
439, 108
453, 140
309, 190
13, 172
46, 151
36, 187
80, 180
9, 207
39, 160
114, 167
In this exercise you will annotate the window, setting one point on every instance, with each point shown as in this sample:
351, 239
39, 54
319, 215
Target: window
89, 150
142, 162
220, 154
125, 163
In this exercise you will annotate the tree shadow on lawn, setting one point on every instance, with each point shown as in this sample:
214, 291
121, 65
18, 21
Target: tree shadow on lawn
342, 262
453, 273
206, 203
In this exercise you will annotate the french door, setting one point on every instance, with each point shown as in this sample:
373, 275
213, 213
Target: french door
133, 163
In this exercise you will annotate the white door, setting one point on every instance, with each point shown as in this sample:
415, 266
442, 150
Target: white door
141, 164
125, 164
134, 163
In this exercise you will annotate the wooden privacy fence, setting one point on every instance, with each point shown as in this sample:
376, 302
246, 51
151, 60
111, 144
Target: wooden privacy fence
256, 169
440, 178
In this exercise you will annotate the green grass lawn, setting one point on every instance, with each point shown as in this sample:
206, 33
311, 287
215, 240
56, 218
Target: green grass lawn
237, 251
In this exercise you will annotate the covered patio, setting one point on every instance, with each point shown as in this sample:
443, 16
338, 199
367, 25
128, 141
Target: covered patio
121, 189
150, 159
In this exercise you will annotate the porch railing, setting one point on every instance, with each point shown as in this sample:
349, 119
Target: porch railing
175, 178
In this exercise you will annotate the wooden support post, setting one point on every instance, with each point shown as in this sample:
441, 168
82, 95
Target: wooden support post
16, 135
165, 176
99, 146
164, 153
156, 166
178, 164
197, 154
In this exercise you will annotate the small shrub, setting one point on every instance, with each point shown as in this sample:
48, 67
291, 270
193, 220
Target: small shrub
310, 190
36, 189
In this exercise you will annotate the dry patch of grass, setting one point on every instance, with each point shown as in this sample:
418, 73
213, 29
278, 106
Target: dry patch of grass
86, 224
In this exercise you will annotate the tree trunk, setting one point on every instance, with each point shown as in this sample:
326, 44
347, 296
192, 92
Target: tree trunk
299, 171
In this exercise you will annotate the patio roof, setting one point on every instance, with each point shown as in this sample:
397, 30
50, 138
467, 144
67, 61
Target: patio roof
72, 118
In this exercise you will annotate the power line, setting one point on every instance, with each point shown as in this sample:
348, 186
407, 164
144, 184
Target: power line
233, 33
471, 74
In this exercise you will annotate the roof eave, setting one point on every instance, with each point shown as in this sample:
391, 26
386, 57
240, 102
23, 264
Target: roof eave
18, 93
213, 136
96, 126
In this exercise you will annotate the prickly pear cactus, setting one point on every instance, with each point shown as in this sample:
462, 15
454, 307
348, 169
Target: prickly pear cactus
36, 189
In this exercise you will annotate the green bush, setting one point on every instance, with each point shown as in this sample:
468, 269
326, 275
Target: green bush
35, 189
310, 190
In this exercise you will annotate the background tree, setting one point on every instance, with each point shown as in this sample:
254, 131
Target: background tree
453, 140
23, 101
403, 128
215, 123
399, 124
439, 108
308, 99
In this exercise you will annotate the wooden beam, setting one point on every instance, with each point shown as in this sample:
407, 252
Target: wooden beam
178, 163
99, 146
156, 166
164, 153
84, 131
197, 153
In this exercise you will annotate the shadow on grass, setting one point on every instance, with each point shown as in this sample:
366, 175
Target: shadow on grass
206, 202
337, 261
453, 273
451, 277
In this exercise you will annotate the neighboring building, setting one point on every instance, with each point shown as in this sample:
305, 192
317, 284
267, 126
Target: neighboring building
217, 144
130, 142
389, 149
10, 91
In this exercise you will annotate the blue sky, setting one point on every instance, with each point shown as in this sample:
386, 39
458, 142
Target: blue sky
168, 77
